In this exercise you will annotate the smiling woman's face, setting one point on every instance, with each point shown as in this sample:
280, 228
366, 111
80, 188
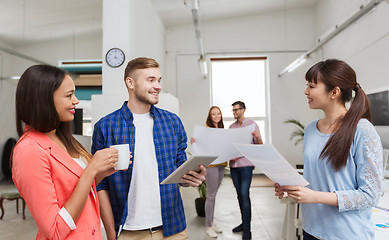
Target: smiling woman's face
216, 115
64, 100
317, 95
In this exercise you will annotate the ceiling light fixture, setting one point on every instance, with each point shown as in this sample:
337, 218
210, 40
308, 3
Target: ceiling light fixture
194, 5
10, 78
203, 67
337, 29
296, 63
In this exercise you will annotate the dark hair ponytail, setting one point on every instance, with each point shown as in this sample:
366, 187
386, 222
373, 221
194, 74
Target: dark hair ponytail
335, 73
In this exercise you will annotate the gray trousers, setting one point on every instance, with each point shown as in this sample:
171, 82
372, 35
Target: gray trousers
213, 179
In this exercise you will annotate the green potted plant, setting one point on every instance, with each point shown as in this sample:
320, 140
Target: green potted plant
200, 201
299, 132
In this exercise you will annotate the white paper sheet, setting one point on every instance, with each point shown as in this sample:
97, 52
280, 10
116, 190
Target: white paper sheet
219, 141
272, 163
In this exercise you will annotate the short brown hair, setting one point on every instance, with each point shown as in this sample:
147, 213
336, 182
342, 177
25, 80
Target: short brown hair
240, 103
139, 63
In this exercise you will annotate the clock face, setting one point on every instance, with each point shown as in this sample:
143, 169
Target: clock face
115, 57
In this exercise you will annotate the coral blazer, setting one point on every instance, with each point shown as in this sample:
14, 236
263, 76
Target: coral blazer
46, 176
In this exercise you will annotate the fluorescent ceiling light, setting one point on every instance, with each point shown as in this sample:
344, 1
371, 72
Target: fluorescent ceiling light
10, 78
193, 4
203, 67
296, 63
337, 29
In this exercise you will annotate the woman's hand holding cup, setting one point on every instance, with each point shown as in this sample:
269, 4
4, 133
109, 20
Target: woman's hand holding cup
104, 160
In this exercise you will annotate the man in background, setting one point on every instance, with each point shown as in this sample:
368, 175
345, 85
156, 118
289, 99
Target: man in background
242, 171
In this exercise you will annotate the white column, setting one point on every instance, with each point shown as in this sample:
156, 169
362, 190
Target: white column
135, 27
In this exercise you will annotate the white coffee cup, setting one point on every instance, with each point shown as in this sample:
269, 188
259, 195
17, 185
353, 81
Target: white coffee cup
124, 156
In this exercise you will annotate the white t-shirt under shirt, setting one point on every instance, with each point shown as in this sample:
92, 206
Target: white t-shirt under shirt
144, 201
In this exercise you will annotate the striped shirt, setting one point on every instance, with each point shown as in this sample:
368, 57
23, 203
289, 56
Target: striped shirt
170, 144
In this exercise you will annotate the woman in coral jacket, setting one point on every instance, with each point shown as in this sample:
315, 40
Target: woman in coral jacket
53, 172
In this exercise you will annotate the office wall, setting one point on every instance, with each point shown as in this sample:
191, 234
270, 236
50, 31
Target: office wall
7, 109
80, 46
6, 61
364, 44
7, 99
281, 36
135, 27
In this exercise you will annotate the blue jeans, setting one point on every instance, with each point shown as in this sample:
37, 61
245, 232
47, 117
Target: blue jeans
241, 177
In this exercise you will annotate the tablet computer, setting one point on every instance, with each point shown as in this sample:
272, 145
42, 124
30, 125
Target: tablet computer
192, 164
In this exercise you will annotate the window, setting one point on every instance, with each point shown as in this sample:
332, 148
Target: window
241, 79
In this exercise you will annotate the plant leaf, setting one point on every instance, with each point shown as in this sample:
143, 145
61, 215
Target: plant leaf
299, 132
298, 141
296, 122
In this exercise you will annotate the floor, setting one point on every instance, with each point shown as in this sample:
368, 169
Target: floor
13, 226
267, 215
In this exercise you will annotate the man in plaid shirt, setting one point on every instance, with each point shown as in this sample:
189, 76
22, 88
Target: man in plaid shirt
133, 203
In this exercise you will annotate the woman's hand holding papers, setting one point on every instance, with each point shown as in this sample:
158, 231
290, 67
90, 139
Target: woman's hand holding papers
193, 178
298, 193
279, 193
305, 195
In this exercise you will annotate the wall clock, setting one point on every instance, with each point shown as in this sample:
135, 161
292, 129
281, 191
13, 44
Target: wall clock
115, 57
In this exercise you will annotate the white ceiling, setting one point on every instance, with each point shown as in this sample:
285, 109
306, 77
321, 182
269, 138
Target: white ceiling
175, 12
28, 21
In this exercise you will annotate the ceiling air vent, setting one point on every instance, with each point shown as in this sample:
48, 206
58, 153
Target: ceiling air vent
81, 66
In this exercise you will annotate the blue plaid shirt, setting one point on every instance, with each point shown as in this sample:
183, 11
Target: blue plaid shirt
170, 144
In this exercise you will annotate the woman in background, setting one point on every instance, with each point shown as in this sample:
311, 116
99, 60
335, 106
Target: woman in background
214, 177
342, 158
53, 172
